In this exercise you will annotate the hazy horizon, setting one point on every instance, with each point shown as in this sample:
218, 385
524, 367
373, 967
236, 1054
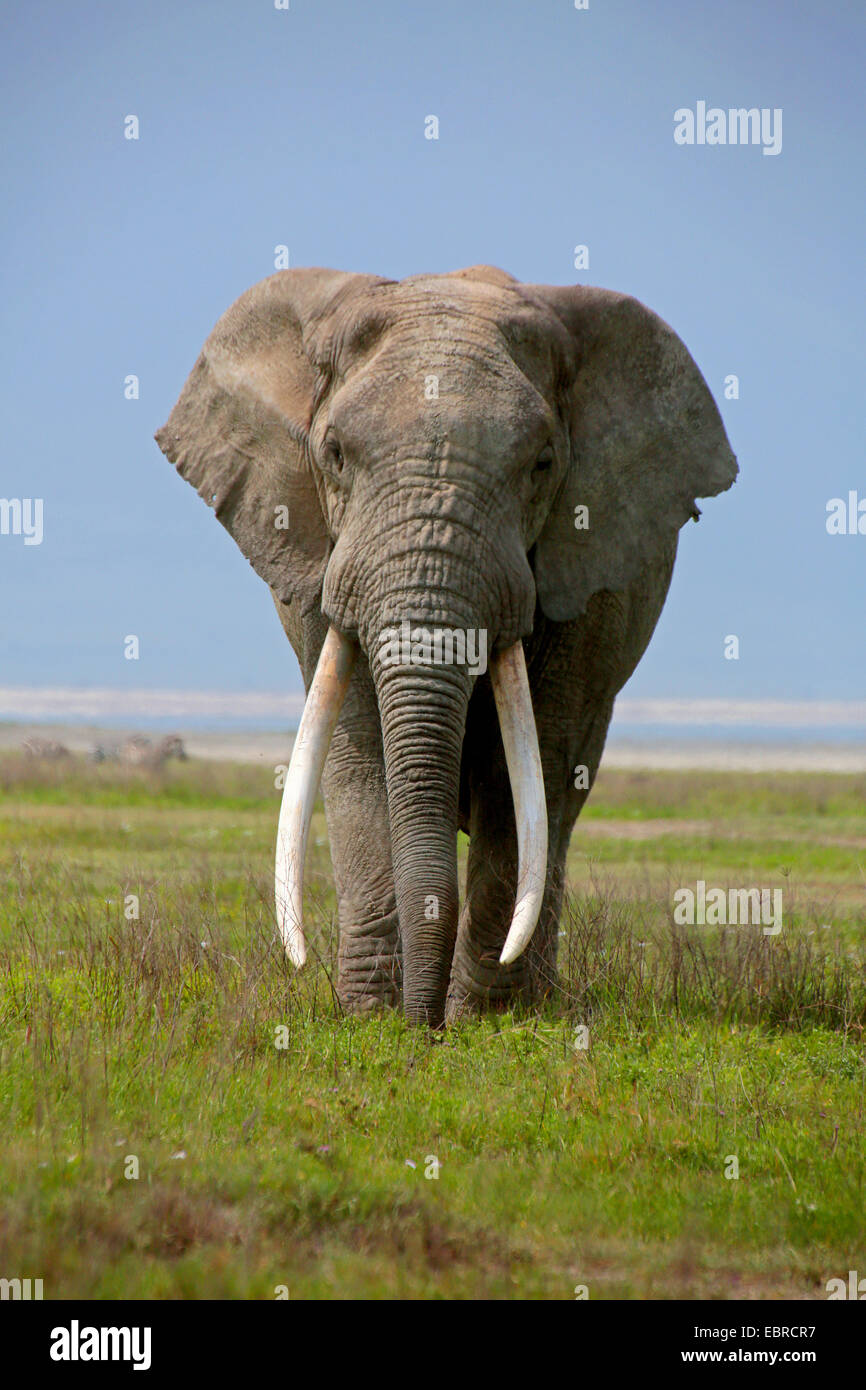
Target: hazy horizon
659, 718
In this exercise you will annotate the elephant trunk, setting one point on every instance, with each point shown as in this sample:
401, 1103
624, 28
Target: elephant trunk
423, 714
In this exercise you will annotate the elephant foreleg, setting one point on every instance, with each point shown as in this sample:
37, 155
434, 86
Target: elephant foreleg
356, 808
478, 979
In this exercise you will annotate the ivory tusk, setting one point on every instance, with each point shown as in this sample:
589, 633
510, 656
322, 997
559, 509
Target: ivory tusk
520, 740
321, 711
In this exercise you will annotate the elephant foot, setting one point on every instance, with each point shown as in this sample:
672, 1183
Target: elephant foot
479, 982
361, 1004
478, 985
370, 972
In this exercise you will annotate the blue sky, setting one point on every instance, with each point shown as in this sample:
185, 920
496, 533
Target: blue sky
261, 127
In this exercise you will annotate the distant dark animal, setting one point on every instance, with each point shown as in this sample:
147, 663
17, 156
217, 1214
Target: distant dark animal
47, 749
138, 751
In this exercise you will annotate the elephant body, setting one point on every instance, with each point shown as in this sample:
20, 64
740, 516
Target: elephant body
470, 454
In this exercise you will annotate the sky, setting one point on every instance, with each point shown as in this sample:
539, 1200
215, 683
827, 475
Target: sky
305, 127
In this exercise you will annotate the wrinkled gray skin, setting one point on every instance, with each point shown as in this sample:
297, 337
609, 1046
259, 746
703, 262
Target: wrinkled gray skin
454, 512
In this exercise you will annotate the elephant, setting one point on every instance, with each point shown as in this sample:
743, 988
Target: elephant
464, 493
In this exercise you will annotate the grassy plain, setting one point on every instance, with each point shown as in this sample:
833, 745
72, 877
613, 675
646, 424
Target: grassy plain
158, 1142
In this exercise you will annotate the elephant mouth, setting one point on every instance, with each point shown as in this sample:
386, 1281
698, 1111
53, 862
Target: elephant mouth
520, 741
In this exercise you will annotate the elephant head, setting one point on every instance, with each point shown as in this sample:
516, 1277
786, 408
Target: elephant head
448, 454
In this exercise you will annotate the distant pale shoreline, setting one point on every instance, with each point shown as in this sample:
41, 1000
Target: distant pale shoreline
134, 705
270, 747
719, 755
256, 727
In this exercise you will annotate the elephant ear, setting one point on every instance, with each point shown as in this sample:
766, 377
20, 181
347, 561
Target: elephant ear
239, 429
646, 441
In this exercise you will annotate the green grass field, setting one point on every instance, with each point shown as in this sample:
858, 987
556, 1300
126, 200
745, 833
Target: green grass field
182, 1117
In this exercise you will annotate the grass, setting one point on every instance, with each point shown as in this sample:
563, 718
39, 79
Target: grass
183, 1117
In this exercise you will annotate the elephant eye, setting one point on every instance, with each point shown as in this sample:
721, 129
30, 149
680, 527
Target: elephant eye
333, 455
544, 460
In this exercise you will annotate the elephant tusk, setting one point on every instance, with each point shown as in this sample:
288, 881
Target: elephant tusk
520, 740
321, 711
